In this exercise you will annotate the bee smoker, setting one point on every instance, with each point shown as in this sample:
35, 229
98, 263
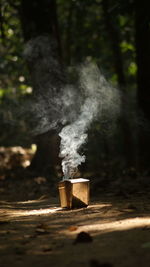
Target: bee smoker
74, 193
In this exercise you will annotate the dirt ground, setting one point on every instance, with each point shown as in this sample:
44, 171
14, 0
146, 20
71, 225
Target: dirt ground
114, 230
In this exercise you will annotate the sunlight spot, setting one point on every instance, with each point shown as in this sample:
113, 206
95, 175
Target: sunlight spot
21, 78
24, 213
33, 148
31, 201
29, 90
18, 149
26, 163
15, 58
120, 225
10, 32
40, 211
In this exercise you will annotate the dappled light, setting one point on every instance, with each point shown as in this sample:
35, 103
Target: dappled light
95, 218
12, 211
41, 227
20, 210
32, 222
23, 213
119, 225
74, 133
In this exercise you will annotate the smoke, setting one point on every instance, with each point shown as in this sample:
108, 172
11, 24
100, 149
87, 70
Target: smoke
55, 102
100, 100
68, 108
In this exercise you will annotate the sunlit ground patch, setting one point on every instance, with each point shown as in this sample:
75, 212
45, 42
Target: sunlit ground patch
16, 213
96, 218
118, 225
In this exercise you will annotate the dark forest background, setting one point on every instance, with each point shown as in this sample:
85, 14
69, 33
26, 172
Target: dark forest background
115, 35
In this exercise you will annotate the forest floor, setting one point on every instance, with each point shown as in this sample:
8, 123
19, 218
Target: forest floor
113, 231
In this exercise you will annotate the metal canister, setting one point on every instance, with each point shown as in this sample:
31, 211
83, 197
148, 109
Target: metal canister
74, 193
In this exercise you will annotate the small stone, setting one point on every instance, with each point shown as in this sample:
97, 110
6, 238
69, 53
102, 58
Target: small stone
83, 237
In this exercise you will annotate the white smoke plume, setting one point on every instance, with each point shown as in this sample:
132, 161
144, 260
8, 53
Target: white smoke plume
68, 109
99, 98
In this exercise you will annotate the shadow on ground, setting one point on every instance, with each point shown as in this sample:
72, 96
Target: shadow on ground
39, 233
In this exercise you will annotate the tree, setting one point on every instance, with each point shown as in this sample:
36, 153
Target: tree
39, 24
114, 37
142, 43
102, 31
115, 41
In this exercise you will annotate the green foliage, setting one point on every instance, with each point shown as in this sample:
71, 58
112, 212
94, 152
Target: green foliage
83, 35
82, 32
12, 66
132, 68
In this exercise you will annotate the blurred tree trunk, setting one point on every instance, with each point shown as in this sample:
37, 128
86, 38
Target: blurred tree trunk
68, 41
142, 43
2, 34
114, 37
39, 18
114, 41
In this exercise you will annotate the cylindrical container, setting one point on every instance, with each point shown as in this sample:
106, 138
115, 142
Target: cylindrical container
74, 193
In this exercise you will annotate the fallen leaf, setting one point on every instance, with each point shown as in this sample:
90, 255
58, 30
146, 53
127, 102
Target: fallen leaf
43, 226
41, 231
40, 180
48, 249
72, 228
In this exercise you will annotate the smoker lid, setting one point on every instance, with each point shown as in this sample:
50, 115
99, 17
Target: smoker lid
76, 180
